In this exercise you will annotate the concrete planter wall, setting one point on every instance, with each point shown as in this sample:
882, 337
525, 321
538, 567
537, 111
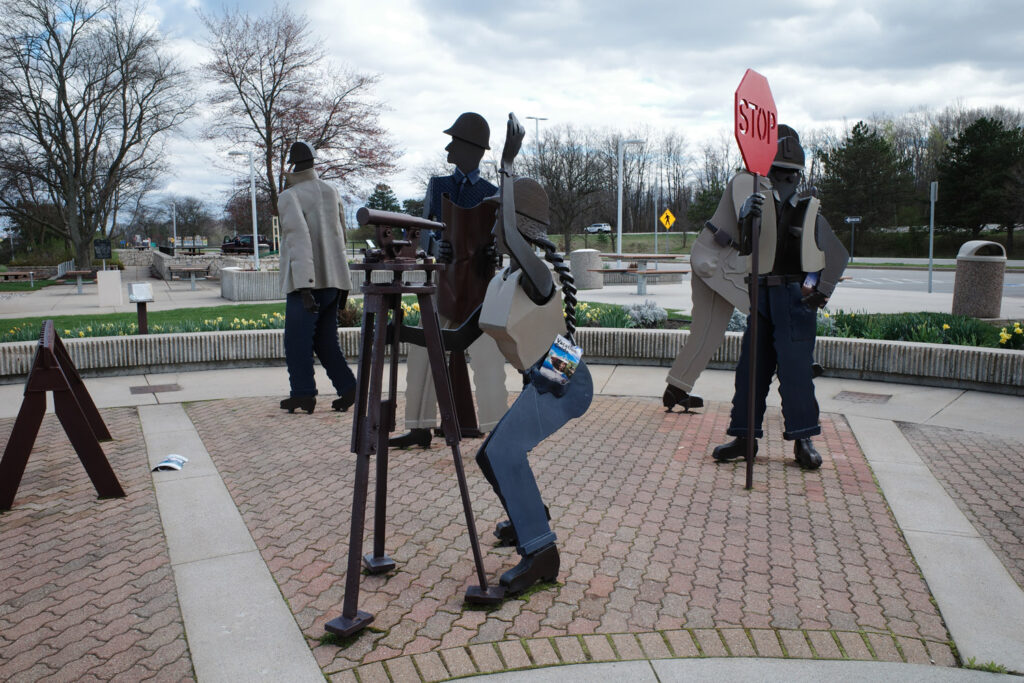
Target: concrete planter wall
214, 263
629, 279
963, 367
250, 285
135, 257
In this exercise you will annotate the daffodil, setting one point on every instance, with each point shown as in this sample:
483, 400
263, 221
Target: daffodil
945, 326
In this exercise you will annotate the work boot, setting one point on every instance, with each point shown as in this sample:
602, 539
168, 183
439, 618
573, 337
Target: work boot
534, 568
345, 401
414, 437
674, 396
806, 454
306, 403
737, 448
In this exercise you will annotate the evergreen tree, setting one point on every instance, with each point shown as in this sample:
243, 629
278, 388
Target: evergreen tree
864, 176
383, 199
979, 177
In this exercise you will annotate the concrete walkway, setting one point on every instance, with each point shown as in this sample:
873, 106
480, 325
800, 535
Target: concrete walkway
239, 626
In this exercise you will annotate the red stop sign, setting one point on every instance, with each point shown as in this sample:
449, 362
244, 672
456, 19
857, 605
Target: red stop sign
757, 129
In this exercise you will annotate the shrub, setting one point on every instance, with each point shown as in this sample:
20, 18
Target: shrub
646, 315
737, 322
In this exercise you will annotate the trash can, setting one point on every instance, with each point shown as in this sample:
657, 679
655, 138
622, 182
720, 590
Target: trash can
978, 286
584, 263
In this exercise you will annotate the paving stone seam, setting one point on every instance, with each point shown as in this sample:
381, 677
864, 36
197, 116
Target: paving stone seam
464, 651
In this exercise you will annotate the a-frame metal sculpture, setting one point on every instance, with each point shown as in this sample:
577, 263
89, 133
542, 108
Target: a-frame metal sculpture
52, 370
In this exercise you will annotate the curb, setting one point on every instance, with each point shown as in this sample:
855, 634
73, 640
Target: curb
535, 653
960, 367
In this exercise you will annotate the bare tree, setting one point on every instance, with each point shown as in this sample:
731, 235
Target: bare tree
571, 170
86, 94
275, 85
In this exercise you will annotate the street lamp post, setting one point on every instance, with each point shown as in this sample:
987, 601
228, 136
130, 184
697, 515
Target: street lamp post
174, 227
618, 226
493, 164
536, 129
252, 195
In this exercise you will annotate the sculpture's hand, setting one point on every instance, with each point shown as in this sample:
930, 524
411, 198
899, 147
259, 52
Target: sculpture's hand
514, 135
815, 300
308, 302
445, 251
752, 206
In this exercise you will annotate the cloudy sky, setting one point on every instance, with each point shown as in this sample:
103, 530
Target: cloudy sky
625, 65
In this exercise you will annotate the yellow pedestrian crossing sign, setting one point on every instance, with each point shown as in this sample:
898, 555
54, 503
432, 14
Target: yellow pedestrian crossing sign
667, 219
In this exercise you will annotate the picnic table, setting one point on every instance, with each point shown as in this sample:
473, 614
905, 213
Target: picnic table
17, 276
191, 271
646, 264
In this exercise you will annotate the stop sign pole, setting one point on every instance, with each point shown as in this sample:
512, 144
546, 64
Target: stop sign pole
757, 134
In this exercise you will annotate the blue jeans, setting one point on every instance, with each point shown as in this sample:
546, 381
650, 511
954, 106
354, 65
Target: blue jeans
786, 330
306, 333
503, 457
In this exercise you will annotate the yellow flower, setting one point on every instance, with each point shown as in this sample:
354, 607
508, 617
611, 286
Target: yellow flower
1017, 330
67, 331
81, 334
825, 313
416, 307
945, 326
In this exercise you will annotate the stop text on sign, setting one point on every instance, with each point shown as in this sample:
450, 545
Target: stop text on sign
754, 120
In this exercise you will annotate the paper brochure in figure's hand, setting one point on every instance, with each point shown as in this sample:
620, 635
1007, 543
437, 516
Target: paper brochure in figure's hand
561, 360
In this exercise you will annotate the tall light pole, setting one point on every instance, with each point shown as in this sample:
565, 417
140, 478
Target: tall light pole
618, 227
536, 129
493, 164
252, 195
174, 225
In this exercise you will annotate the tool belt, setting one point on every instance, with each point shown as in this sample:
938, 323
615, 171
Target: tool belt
776, 280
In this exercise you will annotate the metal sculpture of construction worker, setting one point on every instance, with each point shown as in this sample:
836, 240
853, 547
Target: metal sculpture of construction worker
804, 260
315, 279
523, 311
456, 200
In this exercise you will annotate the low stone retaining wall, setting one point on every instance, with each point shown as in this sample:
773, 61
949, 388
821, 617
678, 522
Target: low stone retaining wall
961, 367
135, 257
237, 284
214, 263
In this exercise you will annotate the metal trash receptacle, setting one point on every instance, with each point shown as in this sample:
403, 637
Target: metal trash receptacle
978, 286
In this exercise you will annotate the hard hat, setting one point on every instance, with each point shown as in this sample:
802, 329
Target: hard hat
471, 128
790, 154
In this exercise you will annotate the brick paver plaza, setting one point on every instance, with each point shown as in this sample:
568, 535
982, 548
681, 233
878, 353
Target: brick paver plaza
663, 551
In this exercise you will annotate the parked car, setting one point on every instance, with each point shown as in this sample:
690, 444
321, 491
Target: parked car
242, 244
598, 229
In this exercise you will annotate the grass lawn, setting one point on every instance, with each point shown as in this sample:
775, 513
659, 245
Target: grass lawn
23, 285
248, 316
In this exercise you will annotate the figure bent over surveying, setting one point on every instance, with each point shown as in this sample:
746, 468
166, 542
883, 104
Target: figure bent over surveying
523, 312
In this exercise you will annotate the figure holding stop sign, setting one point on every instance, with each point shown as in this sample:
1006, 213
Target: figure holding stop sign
803, 260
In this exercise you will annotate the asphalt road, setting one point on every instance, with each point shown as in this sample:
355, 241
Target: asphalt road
917, 280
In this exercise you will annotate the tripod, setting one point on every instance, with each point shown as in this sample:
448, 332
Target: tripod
374, 420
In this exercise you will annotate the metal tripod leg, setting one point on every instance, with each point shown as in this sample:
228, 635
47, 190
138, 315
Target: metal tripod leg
481, 594
367, 423
378, 562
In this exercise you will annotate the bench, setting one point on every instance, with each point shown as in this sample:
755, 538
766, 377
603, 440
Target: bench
191, 271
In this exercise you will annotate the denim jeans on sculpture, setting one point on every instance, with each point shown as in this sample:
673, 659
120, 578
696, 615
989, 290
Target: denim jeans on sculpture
503, 457
307, 333
785, 343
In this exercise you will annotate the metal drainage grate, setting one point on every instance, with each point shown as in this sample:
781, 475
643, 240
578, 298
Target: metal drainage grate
862, 397
155, 388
